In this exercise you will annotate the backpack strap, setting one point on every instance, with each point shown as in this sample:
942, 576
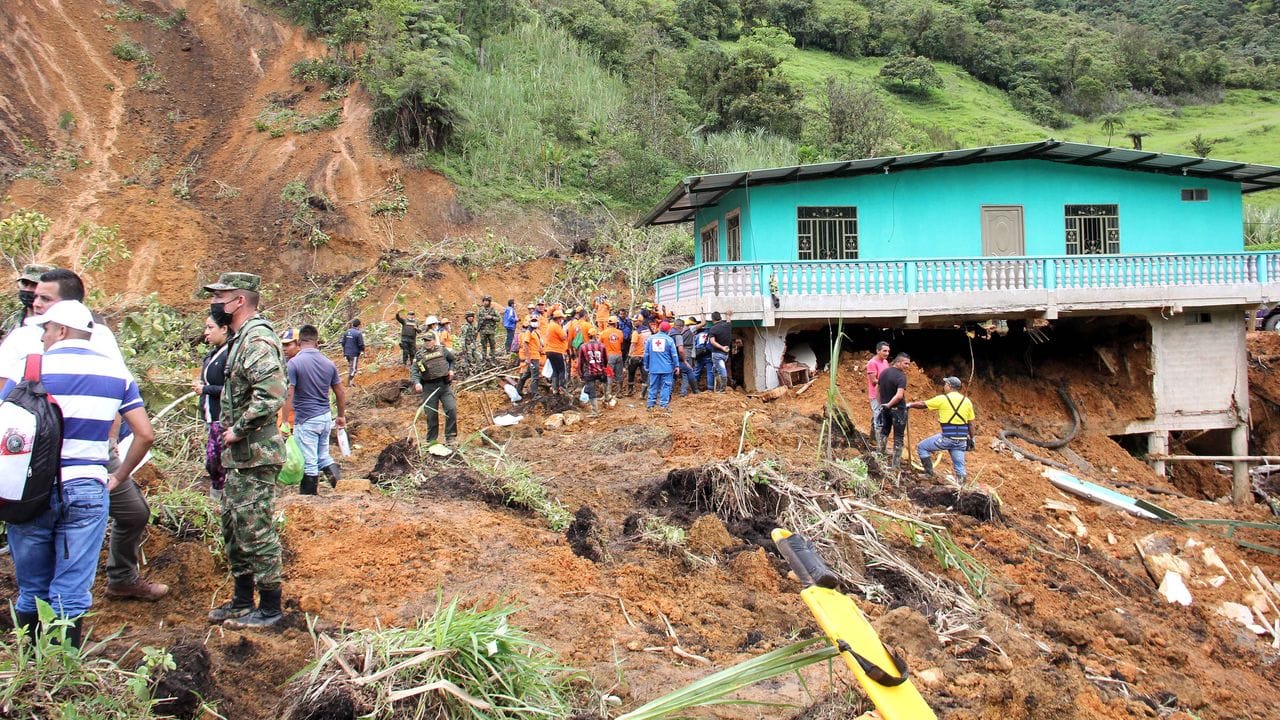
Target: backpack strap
32, 371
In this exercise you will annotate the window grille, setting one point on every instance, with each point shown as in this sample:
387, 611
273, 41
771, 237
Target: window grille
827, 233
733, 237
710, 243
1195, 194
1093, 229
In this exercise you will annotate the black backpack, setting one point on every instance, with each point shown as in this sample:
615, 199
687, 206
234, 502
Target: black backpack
30, 448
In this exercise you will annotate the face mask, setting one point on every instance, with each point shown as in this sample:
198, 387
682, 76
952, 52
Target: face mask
27, 298
218, 311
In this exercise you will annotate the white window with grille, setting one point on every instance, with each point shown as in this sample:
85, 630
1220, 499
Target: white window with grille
1093, 229
827, 233
733, 236
710, 240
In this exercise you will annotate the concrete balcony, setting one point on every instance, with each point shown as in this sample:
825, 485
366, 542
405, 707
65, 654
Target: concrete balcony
915, 291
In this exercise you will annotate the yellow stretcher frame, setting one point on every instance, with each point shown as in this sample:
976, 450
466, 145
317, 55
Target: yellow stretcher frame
882, 675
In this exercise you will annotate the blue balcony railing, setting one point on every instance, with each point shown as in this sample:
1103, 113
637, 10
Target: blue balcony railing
951, 275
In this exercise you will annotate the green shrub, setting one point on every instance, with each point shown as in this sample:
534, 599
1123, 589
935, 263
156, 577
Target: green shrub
130, 51
188, 512
325, 70
44, 677
327, 120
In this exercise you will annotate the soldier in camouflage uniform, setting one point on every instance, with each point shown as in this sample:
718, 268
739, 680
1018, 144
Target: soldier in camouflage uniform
487, 325
26, 296
251, 400
470, 349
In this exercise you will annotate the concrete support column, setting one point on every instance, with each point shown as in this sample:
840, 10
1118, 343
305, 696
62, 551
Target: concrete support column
766, 347
1240, 491
1158, 444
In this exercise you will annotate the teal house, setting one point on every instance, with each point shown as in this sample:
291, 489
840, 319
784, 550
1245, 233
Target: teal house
1032, 231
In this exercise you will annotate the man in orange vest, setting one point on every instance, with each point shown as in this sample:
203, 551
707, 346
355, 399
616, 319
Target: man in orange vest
556, 346
612, 340
531, 355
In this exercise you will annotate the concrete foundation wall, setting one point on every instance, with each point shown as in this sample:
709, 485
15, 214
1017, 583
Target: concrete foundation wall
1201, 377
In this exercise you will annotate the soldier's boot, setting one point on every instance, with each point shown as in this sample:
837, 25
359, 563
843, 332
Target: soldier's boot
335, 474
926, 462
240, 604
30, 621
309, 485
267, 615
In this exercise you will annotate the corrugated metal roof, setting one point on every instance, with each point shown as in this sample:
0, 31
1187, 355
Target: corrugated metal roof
704, 190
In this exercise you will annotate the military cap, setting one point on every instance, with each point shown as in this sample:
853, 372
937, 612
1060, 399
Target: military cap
428, 336
235, 281
487, 297
32, 273
470, 314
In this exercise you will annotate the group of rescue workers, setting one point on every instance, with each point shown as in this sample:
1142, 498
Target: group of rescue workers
254, 382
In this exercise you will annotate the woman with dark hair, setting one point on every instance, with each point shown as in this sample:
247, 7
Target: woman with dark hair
217, 332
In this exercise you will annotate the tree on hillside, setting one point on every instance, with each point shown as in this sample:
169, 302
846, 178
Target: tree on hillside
21, 235
859, 124
1111, 123
1135, 136
482, 19
753, 93
709, 19
1201, 145
911, 70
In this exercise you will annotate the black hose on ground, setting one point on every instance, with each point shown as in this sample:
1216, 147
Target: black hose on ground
1006, 436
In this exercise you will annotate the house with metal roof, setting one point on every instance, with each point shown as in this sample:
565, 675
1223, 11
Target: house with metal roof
1039, 230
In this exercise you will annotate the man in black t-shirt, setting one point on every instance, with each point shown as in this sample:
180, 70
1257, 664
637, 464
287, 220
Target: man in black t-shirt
893, 406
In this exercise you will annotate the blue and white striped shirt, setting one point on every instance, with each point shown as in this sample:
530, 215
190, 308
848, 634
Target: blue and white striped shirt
91, 389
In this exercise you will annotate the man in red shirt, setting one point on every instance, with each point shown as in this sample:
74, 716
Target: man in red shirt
593, 364
875, 366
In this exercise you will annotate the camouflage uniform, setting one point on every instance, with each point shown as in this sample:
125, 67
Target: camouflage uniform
251, 400
470, 353
30, 273
487, 322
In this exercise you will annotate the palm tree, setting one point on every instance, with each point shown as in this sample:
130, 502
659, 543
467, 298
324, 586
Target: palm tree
1136, 137
1111, 123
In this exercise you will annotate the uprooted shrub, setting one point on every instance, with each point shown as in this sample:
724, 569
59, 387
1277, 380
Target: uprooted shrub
462, 662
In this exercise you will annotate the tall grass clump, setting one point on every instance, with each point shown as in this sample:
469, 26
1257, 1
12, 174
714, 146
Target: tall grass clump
538, 87
1261, 228
462, 662
740, 149
518, 486
43, 677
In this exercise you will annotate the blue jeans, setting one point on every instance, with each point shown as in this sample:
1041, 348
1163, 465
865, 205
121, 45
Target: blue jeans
660, 389
953, 446
718, 360
705, 369
313, 438
56, 558
688, 378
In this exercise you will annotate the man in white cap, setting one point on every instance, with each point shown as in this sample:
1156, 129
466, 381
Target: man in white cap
55, 555
129, 510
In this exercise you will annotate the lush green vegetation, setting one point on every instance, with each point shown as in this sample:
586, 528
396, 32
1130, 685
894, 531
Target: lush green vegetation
608, 102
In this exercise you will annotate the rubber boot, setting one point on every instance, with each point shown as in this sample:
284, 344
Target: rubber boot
30, 621
309, 485
595, 407
240, 604
74, 633
926, 462
335, 474
267, 615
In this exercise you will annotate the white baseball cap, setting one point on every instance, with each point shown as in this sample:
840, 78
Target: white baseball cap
69, 313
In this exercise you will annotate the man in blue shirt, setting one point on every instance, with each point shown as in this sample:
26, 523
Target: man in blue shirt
353, 348
55, 555
661, 361
509, 322
624, 324
311, 377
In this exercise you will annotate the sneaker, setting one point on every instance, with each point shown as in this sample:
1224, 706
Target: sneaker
254, 620
137, 590
334, 473
229, 610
